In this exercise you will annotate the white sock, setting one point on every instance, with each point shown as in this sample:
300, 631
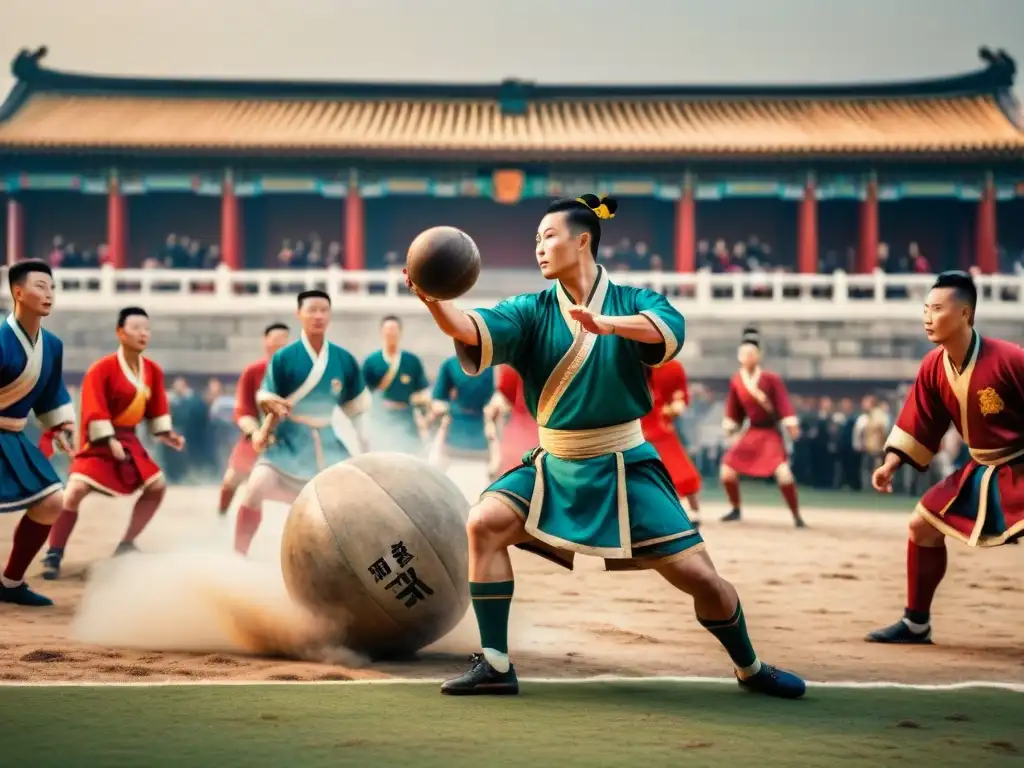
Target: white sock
11, 583
917, 629
497, 659
747, 672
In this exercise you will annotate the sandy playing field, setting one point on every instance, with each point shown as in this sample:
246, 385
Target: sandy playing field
810, 596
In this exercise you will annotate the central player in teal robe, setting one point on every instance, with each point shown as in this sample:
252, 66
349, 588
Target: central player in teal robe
608, 496
594, 486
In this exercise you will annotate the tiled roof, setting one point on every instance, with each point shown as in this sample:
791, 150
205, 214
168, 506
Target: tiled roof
60, 112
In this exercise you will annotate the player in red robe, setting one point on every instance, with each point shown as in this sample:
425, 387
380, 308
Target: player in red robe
247, 415
671, 396
977, 385
119, 391
759, 397
519, 430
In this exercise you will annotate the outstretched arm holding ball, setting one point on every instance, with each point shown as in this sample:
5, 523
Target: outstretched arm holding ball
450, 319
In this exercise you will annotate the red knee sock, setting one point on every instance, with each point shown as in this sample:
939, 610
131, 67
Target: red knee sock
246, 525
732, 491
62, 528
142, 513
227, 493
29, 538
925, 568
789, 493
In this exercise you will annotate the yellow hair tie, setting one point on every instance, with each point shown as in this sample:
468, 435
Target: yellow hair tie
601, 210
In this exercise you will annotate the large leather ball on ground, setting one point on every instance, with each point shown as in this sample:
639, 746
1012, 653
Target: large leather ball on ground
443, 262
377, 546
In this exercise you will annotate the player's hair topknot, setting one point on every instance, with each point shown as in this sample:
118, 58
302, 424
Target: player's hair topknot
751, 336
603, 207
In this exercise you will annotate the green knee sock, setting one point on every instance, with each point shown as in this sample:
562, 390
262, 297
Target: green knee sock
732, 634
491, 602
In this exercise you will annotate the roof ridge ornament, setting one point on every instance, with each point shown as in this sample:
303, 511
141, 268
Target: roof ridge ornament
26, 63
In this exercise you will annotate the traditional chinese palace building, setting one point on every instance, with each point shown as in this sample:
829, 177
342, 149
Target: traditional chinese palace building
125, 160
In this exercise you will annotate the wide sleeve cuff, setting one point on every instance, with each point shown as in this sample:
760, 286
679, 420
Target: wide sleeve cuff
729, 426
160, 424
248, 424
99, 430
358, 404
61, 415
791, 421
668, 338
907, 446
262, 395
466, 353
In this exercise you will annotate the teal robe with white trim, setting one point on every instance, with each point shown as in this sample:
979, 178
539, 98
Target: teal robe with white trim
317, 386
399, 381
621, 505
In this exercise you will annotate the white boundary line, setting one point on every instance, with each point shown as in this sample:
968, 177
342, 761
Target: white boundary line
1013, 687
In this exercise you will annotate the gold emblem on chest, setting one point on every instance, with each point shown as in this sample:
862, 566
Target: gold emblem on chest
336, 386
405, 378
990, 402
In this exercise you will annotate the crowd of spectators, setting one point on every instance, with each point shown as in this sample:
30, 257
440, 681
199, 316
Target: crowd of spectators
752, 256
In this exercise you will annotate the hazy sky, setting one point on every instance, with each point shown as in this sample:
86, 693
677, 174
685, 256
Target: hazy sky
695, 41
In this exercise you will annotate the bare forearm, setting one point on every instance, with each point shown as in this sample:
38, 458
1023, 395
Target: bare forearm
453, 322
635, 328
893, 460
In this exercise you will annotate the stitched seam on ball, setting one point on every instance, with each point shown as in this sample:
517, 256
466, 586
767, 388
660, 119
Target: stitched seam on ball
334, 535
337, 541
444, 565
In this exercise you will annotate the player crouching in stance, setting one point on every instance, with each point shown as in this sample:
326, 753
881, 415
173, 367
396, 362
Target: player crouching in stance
118, 392
760, 397
247, 416
31, 363
305, 383
977, 384
594, 486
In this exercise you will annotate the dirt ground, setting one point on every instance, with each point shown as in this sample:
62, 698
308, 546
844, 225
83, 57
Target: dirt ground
810, 596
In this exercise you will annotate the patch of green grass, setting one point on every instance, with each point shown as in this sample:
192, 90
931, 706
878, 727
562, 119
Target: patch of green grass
637, 723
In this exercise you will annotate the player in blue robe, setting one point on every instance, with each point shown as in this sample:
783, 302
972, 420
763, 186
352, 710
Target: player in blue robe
398, 378
306, 384
594, 486
459, 406
31, 380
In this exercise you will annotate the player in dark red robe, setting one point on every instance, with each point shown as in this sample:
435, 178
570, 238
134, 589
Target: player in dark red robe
759, 397
119, 391
519, 430
977, 385
671, 395
247, 416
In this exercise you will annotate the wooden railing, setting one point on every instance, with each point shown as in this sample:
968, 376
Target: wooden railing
702, 294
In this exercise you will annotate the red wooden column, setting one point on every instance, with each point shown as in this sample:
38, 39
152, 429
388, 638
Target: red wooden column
807, 230
117, 225
15, 231
686, 229
230, 224
355, 236
867, 254
986, 248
